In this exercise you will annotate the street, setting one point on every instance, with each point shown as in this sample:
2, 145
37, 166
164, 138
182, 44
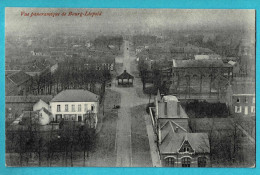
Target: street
129, 99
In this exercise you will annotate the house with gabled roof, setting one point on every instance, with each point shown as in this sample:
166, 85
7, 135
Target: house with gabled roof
40, 104
75, 105
177, 146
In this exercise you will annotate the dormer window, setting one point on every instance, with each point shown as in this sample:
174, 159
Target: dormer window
186, 148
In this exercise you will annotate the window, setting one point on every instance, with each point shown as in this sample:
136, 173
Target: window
186, 148
165, 108
238, 100
58, 108
79, 108
202, 161
66, 108
253, 100
246, 101
85, 107
185, 162
92, 108
73, 108
169, 162
252, 109
237, 109
66, 117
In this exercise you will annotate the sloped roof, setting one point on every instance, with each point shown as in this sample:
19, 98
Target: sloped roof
169, 126
46, 111
75, 95
171, 140
28, 114
19, 77
125, 75
28, 99
245, 88
170, 98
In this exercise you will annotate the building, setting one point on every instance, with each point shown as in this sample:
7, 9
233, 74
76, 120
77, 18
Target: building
198, 78
17, 83
177, 146
17, 104
189, 51
75, 105
243, 104
125, 79
241, 99
236, 68
40, 104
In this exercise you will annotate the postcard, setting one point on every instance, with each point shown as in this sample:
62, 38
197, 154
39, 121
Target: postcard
111, 87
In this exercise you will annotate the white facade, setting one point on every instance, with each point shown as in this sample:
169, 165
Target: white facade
73, 110
44, 118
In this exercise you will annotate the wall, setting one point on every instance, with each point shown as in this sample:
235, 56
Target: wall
244, 100
53, 108
44, 118
178, 159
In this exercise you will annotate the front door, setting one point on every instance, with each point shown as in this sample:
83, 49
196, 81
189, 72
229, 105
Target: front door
58, 117
80, 118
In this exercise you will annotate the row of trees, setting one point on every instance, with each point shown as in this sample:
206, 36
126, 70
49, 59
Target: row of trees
58, 146
70, 74
228, 145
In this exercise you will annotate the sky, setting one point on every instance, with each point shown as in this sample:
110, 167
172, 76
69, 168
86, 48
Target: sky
128, 19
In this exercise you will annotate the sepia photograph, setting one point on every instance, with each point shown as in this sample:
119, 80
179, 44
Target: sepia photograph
118, 87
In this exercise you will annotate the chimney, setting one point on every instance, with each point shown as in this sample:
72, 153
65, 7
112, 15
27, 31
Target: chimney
159, 135
176, 129
178, 108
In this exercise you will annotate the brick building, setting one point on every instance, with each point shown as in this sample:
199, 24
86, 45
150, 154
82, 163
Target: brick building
177, 146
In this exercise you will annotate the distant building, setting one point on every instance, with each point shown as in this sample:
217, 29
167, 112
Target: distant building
75, 105
125, 79
37, 52
176, 145
207, 57
189, 51
209, 77
241, 99
243, 104
201, 57
235, 66
17, 104
17, 83
139, 49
